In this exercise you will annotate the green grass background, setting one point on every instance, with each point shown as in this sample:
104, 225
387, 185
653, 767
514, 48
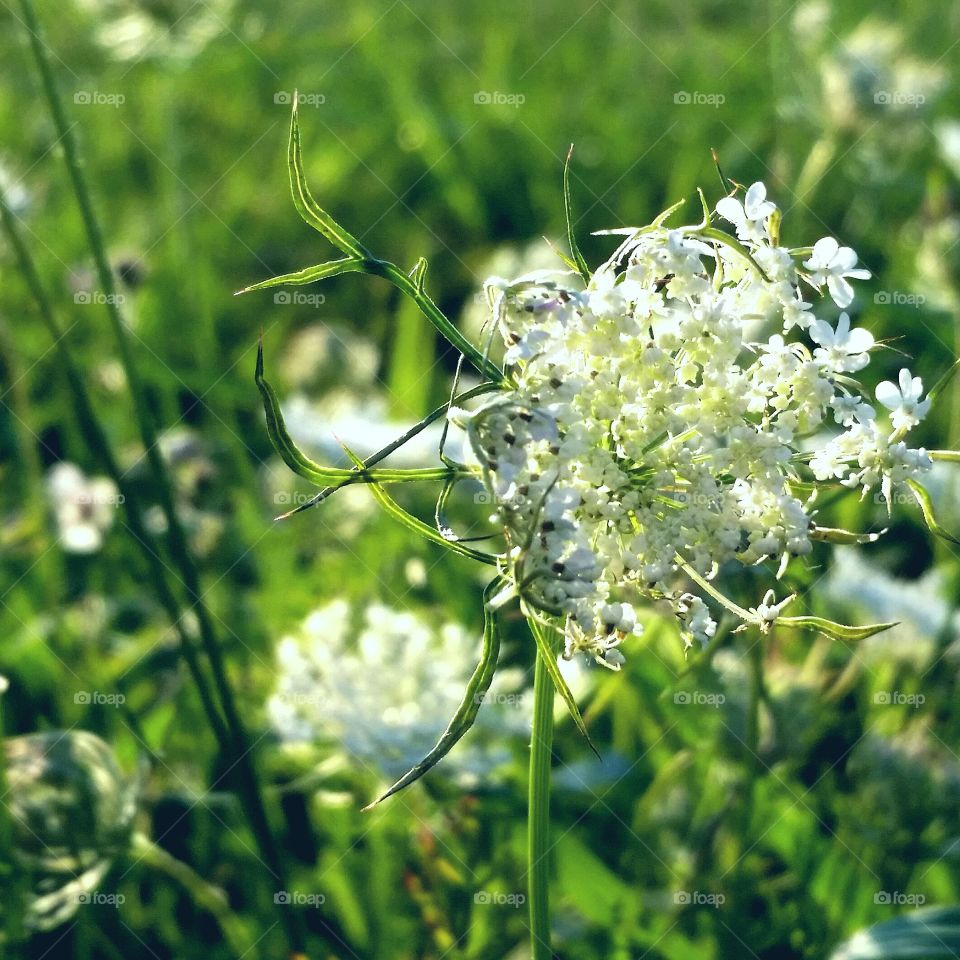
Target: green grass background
190, 181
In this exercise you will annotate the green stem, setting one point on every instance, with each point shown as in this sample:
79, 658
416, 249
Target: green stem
250, 787
11, 880
204, 894
538, 818
412, 289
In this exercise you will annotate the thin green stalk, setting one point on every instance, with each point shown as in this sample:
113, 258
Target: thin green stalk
204, 894
538, 816
10, 881
250, 787
96, 438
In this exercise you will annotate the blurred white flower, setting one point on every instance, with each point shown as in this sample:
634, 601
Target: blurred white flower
72, 813
918, 607
83, 507
178, 29
384, 684
319, 427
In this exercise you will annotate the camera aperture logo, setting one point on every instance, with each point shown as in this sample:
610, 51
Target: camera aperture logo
297, 298
285, 98
699, 698
698, 898
97, 98
98, 698
499, 99
97, 899
297, 898
698, 98
896, 898
896, 698
497, 899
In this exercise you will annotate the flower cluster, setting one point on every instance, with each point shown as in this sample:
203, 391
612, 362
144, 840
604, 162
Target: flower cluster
645, 438
332, 686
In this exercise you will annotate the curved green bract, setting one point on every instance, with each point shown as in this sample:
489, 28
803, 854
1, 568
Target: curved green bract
926, 508
317, 474
548, 655
308, 275
308, 208
578, 261
463, 719
836, 631
411, 522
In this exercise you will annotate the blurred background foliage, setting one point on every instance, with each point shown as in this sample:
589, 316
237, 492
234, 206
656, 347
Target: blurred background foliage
766, 803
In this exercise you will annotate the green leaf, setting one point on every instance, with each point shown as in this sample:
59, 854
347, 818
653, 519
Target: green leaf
307, 275
308, 208
918, 935
418, 273
414, 523
546, 651
836, 631
466, 713
316, 473
283, 443
718, 236
580, 263
934, 392
926, 508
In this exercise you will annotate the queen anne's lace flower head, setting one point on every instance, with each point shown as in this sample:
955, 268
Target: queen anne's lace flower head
646, 438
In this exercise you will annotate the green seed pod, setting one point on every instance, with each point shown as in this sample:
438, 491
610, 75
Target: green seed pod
71, 812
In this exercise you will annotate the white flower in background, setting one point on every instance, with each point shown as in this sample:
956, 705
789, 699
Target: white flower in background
648, 436
832, 264
749, 217
177, 29
385, 684
319, 425
924, 618
83, 507
907, 409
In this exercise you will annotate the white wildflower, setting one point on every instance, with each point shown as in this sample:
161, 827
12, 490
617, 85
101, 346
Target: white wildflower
832, 264
647, 428
83, 507
903, 401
